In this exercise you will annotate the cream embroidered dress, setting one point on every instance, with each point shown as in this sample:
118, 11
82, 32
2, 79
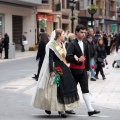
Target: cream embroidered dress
51, 97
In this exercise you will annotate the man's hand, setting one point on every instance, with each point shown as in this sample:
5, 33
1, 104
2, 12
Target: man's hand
76, 58
82, 58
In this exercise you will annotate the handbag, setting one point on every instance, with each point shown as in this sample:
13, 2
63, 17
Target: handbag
25, 42
100, 60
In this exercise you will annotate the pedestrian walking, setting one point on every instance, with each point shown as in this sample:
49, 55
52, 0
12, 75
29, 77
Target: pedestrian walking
92, 53
1, 46
56, 89
22, 38
78, 57
117, 41
71, 37
101, 55
41, 52
6, 45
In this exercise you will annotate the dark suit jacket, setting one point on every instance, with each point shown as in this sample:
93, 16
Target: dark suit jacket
74, 49
41, 51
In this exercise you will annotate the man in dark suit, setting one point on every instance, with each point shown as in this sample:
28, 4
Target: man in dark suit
78, 57
6, 45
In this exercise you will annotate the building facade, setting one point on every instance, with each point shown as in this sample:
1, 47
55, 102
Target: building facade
118, 13
59, 12
17, 17
105, 16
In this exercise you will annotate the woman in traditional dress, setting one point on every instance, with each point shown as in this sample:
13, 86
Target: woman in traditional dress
52, 93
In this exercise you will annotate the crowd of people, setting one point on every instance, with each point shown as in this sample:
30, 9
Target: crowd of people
64, 62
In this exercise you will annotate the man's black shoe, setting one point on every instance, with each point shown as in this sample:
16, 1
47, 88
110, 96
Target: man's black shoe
70, 112
104, 78
96, 77
35, 77
93, 112
93, 79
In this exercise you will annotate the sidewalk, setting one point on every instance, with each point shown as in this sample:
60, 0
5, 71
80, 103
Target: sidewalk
19, 55
104, 93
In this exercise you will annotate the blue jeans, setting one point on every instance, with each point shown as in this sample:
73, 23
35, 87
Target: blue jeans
92, 62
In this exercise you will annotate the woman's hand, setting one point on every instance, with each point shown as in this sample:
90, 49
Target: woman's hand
52, 74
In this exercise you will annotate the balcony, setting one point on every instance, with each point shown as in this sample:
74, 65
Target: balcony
29, 3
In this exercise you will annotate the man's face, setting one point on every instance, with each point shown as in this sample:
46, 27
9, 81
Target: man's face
91, 32
81, 34
89, 39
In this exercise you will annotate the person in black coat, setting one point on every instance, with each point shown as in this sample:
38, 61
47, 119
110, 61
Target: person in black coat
1, 46
117, 41
101, 55
6, 45
41, 52
22, 38
92, 53
78, 57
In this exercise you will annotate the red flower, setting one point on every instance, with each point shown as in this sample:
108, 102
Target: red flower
59, 70
93, 66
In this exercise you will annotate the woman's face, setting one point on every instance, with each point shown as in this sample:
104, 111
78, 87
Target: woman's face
62, 36
72, 37
100, 41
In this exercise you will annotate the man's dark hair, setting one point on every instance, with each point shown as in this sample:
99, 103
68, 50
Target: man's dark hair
88, 36
80, 27
42, 30
97, 32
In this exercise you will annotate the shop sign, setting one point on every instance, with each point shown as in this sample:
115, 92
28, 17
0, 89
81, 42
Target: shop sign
47, 17
114, 27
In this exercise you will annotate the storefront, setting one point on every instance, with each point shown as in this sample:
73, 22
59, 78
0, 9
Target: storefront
45, 21
14, 22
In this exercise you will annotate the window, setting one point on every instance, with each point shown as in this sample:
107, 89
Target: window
45, 1
1, 24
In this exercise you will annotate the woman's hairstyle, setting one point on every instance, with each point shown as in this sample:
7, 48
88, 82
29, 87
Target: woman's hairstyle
44, 38
58, 33
100, 38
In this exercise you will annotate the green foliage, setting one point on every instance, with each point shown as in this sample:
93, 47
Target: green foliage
92, 7
73, 17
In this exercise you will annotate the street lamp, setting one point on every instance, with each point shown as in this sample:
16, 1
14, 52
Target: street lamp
72, 6
92, 10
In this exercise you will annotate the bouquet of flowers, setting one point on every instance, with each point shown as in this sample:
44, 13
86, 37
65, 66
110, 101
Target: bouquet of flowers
56, 78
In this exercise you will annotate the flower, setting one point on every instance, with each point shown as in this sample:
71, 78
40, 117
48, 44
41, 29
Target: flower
93, 66
56, 79
58, 70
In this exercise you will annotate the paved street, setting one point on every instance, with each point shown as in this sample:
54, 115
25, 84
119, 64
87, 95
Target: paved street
15, 96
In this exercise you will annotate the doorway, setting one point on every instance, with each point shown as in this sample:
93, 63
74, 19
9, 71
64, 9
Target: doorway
17, 26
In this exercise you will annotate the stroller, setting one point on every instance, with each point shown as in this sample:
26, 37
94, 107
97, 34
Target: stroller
116, 62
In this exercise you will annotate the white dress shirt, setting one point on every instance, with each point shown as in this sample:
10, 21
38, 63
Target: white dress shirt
81, 46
